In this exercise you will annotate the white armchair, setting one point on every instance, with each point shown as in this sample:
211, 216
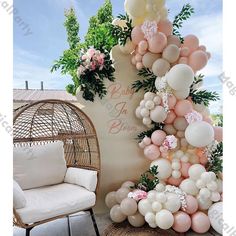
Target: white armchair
56, 163
45, 189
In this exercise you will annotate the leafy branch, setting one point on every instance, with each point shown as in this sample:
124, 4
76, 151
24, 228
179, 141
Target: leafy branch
148, 180
185, 13
215, 163
147, 84
122, 34
148, 133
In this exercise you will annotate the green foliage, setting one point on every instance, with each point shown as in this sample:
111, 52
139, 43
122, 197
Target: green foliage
147, 84
217, 119
184, 14
203, 97
122, 34
215, 162
148, 180
148, 133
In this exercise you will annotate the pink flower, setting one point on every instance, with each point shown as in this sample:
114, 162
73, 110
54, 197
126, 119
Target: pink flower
93, 65
100, 60
170, 142
91, 52
193, 117
138, 195
84, 57
80, 70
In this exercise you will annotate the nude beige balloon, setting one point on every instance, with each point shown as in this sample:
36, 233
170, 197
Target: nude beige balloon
116, 214
149, 58
160, 67
121, 194
129, 206
171, 53
136, 220
110, 199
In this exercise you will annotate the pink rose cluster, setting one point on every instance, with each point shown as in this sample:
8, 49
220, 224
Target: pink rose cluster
91, 60
138, 195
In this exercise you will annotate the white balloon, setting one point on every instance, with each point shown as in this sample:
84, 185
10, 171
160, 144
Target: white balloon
215, 214
215, 197
149, 96
164, 168
176, 174
164, 219
144, 112
151, 196
138, 112
176, 165
157, 100
161, 197
160, 187
158, 114
149, 105
181, 94
220, 185
173, 203
147, 121
156, 206
189, 187
205, 193
195, 171
200, 184
135, 7
150, 218
144, 206
142, 103
199, 134
212, 186
180, 77
206, 177
204, 204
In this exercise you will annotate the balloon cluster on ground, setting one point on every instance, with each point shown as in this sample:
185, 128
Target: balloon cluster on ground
182, 146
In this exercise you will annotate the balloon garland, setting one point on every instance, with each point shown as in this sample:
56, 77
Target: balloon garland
183, 186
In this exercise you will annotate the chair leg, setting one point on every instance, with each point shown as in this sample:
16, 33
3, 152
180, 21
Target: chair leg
69, 228
27, 231
94, 222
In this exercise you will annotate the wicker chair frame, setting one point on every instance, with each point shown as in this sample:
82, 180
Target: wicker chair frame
52, 120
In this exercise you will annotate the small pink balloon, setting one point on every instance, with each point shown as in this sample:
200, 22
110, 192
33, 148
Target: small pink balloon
143, 45
139, 65
152, 152
142, 52
191, 42
202, 47
218, 133
182, 222
192, 204
183, 107
137, 35
176, 182
157, 43
158, 137
147, 141
200, 222
171, 101
183, 60
170, 117
184, 169
184, 52
166, 27
138, 57
203, 160
197, 60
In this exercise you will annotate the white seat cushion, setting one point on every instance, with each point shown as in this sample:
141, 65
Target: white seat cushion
39, 165
19, 200
82, 177
48, 202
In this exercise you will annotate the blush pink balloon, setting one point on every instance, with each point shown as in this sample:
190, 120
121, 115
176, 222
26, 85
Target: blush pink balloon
171, 101
143, 45
183, 60
218, 133
184, 52
208, 120
157, 43
170, 117
182, 222
203, 160
192, 204
166, 27
158, 137
176, 182
139, 65
197, 60
137, 35
152, 152
202, 47
191, 42
184, 169
183, 107
200, 222
138, 57
147, 141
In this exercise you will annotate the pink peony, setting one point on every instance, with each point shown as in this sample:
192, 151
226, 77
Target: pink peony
138, 195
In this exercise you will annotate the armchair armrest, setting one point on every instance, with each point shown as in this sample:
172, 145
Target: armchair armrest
82, 177
19, 200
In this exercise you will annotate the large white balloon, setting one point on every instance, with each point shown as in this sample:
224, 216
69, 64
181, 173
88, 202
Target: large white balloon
215, 214
189, 187
173, 203
180, 77
181, 94
164, 219
199, 134
144, 206
164, 168
195, 171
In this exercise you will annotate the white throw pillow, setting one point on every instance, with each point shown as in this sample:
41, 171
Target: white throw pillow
39, 165
19, 200
82, 177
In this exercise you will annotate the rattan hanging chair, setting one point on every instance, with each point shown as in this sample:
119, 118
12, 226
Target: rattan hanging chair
55, 120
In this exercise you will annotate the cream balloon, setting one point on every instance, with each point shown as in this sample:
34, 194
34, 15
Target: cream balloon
189, 187
128, 206
173, 39
164, 219
195, 171
160, 67
144, 206
181, 94
171, 53
116, 214
215, 214
199, 134
128, 184
173, 203
164, 168
149, 58
110, 199
150, 218
158, 114
121, 194
135, 7
136, 220
180, 77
